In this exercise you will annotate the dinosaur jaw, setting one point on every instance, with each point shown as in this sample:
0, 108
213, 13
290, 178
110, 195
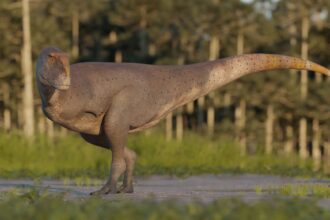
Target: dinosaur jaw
61, 87
64, 86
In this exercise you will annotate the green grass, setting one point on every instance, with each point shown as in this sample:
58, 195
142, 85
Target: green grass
35, 205
301, 190
71, 157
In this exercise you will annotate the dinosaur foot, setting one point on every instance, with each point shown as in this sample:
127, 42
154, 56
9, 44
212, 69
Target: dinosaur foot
126, 189
104, 190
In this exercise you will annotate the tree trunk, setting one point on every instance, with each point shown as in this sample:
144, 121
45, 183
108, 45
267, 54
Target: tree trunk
303, 152
293, 31
179, 111
240, 43
41, 121
113, 37
63, 131
213, 55
227, 103
190, 107
118, 56
269, 129
200, 115
75, 35
152, 50
240, 120
304, 89
179, 125
289, 142
240, 111
7, 119
20, 115
27, 72
6, 111
210, 119
169, 127
50, 129
327, 157
142, 32
316, 150
214, 48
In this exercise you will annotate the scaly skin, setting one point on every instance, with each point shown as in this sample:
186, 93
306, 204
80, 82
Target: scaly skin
105, 102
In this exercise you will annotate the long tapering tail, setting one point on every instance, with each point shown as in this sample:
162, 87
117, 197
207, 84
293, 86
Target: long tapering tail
226, 70
189, 82
262, 62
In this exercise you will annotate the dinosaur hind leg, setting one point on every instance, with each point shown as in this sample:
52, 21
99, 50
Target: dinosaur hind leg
130, 158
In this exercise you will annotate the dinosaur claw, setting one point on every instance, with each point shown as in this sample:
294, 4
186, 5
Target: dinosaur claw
125, 189
103, 191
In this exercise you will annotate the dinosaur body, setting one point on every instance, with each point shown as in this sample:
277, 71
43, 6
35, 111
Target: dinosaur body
106, 101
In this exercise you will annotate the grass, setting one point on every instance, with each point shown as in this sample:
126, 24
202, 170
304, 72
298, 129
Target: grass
300, 190
42, 205
72, 158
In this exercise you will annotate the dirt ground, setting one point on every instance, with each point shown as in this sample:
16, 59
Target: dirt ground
205, 188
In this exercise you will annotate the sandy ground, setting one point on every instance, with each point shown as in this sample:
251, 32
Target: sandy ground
205, 188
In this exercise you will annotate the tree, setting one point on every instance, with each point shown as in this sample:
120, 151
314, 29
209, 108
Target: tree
27, 72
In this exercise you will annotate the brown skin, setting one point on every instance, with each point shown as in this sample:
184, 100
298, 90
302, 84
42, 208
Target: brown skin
105, 102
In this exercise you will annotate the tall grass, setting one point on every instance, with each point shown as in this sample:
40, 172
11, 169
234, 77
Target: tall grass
72, 157
33, 205
66, 157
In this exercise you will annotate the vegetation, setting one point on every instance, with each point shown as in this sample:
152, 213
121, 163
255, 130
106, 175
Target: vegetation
284, 113
70, 157
274, 123
36, 205
298, 190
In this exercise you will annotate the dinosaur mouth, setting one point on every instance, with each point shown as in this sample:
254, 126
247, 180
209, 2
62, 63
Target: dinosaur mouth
56, 86
61, 87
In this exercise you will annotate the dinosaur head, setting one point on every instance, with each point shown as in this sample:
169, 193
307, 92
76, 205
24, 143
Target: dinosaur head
53, 68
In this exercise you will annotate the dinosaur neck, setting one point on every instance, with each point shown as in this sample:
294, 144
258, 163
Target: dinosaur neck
199, 79
46, 92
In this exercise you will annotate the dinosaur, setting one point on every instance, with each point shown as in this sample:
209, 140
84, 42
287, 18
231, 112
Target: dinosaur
104, 101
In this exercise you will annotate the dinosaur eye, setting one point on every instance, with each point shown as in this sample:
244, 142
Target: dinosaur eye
51, 59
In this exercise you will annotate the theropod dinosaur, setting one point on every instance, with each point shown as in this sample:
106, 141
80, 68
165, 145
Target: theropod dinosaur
106, 101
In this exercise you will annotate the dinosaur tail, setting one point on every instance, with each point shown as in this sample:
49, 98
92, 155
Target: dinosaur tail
197, 80
229, 69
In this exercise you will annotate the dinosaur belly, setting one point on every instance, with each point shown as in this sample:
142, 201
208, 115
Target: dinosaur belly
83, 122
145, 126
